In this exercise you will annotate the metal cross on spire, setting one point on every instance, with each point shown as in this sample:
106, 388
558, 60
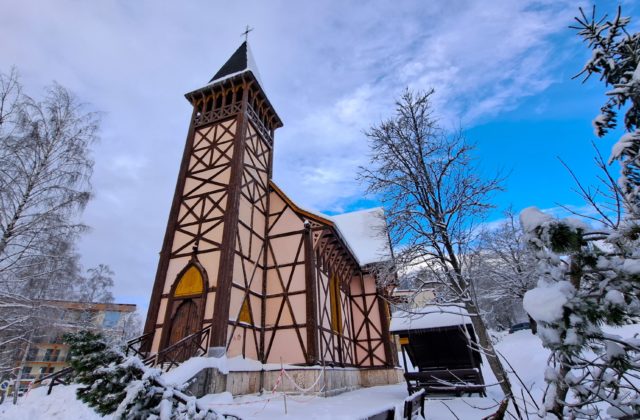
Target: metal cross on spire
246, 33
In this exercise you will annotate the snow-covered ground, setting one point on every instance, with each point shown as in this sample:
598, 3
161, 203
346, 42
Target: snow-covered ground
522, 349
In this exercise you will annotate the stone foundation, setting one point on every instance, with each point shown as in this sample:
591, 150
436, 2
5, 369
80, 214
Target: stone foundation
334, 381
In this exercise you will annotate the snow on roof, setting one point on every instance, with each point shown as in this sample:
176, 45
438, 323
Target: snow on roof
430, 316
366, 233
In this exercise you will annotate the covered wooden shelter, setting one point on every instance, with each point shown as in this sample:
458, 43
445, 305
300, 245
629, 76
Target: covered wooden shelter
439, 350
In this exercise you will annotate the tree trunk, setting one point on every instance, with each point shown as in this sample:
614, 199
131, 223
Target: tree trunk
575, 277
16, 384
487, 348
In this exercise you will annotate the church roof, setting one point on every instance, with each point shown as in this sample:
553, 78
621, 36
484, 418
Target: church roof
240, 61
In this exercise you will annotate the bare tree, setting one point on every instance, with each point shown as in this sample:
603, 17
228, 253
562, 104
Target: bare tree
433, 197
45, 167
504, 269
96, 287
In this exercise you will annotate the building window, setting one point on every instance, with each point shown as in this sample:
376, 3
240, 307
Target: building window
111, 319
245, 312
47, 355
190, 283
32, 354
86, 317
334, 295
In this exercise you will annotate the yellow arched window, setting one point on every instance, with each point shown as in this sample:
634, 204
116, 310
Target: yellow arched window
190, 283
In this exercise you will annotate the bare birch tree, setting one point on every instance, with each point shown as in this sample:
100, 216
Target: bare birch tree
433, 196
45, 168
97, 286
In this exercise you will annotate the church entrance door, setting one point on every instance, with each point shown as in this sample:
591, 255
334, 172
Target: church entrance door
186, 321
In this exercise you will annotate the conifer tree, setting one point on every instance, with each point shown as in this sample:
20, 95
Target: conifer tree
589, 279
124, 386
101, 369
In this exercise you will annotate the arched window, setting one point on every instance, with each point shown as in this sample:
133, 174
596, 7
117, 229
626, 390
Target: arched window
190, 284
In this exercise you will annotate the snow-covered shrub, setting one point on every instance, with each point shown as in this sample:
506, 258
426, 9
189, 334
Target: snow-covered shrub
123, 385
590, 279
90, 354
586, 280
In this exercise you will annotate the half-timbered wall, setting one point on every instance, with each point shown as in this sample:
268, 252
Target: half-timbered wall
285, 288
369, 317
333, 269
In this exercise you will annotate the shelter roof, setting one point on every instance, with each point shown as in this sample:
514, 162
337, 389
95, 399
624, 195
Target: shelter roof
429, 317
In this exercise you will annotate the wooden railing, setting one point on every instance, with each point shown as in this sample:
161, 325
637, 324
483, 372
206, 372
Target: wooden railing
139, 345
454, 381
62, 377
196, 344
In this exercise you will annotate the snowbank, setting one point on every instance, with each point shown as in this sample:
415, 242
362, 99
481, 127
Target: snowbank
60, 405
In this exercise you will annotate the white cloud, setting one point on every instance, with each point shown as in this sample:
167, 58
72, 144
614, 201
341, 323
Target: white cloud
330, 68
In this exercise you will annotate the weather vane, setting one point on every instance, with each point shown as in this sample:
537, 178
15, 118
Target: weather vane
246, 33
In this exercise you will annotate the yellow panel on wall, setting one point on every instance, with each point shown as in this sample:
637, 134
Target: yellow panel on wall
334, 295
245, 314
190, 284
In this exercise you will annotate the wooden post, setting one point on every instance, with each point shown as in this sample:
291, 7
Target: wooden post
283, 392
228, 247
384, 324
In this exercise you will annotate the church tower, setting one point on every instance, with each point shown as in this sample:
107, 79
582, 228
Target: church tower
212, 258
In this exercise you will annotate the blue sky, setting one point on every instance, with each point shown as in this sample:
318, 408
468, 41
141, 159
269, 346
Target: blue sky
501, 69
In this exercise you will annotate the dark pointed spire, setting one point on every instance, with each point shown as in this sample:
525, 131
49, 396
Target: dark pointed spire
241, 61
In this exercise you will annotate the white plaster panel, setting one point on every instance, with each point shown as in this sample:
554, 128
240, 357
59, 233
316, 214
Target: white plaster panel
299, 305
286, 347
208, 311
175, 266
288, 222
162, 311
210, 262
276, 204
286, 248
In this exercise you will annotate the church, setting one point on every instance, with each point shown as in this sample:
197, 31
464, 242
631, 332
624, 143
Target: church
266, 279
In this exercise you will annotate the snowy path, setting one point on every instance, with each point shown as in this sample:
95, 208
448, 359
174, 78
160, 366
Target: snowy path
348, 406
